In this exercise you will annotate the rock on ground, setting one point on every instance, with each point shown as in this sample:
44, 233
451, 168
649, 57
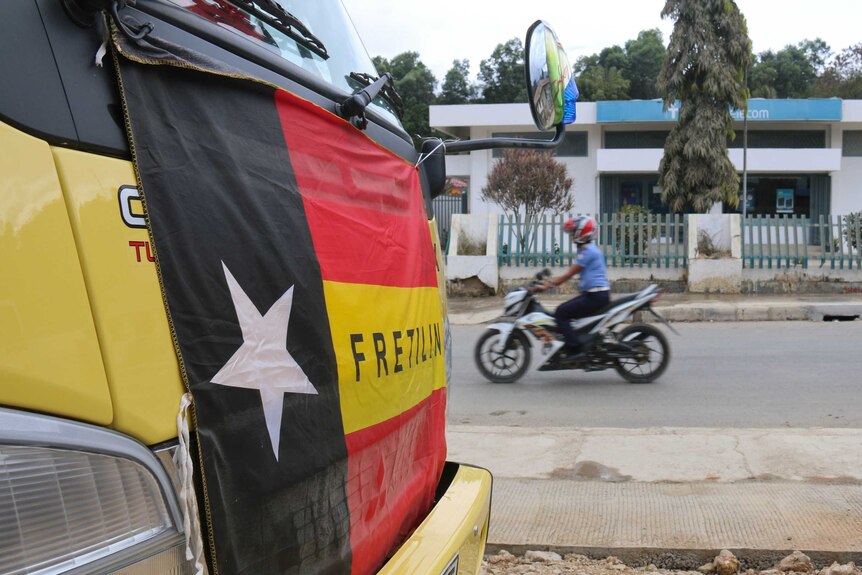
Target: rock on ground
550, 563
796, 562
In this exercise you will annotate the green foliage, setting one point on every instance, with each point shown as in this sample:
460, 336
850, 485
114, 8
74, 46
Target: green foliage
529, 182
502, 75
599, 83
708, 51
644, 58
613, 57
788, 73
457, 88
816, 51
618, 73
633, 230
415, 83
763, 77
843, 77
852, 229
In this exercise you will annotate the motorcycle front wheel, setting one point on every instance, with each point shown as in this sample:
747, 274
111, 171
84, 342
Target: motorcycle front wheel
651, 354
500, 365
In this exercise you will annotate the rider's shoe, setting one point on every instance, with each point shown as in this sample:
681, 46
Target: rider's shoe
571, 352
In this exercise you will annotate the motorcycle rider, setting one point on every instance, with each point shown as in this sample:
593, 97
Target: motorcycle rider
594, 286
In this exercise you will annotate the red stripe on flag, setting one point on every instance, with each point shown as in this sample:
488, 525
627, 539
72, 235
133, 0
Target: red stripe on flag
393, 468
364, 205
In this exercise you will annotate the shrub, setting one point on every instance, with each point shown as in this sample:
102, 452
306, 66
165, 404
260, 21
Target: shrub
634, 238
852, 229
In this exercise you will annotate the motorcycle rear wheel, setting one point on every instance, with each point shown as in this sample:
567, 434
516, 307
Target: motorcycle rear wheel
652, 354
498, 365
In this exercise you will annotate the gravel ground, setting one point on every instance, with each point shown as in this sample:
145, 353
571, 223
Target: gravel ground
549, 563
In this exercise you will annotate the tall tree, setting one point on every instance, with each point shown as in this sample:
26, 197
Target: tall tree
457, 88
613, 57
600, 76
817, 51
763, 76
415, 84
843, 76
789, 73
502, 75
708, 51
599, 83
529, 183
618, 73
644, 59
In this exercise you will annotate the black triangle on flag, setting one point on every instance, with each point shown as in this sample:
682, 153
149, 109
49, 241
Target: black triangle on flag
277, 227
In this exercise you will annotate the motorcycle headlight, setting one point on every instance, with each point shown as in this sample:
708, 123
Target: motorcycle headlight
513, 301
64, 506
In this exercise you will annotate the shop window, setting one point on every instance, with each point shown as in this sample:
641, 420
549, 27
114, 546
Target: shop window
574, 144
786, 139
776, 196
852, 145
782, 139
631, 140
639, 190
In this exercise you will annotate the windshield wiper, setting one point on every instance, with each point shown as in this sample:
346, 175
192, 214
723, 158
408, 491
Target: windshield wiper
273, 14
387, 91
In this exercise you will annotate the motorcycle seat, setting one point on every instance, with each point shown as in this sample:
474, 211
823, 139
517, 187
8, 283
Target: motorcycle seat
615, 302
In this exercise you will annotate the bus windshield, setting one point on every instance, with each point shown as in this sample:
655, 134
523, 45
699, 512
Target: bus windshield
326, 19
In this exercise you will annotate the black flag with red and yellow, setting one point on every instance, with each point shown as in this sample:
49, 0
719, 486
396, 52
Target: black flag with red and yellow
300, 281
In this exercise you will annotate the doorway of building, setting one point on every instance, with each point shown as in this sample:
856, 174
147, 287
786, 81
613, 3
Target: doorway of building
631, 189
452, 201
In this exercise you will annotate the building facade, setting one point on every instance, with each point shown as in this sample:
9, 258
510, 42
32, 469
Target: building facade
803, 157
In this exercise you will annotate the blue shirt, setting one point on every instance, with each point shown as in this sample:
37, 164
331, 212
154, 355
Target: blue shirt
595, 272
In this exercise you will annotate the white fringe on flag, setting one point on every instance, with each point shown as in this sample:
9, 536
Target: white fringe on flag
103, 47
188, 501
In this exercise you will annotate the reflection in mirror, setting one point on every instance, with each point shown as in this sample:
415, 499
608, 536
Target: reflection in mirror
550, 82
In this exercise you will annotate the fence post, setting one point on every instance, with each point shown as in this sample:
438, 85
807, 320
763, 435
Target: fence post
822, 233
839, 221
858, 242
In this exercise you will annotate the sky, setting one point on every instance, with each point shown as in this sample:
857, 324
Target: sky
445, 30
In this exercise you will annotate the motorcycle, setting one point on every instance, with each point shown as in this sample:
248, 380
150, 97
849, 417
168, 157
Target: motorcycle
639, 352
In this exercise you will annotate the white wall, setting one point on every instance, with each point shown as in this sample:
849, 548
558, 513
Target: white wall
847, 182
484, 119
851, 111
617, 161
788, 160
478, 164
847, 187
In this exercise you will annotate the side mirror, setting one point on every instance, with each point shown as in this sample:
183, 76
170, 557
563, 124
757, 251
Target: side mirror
551, 92
550, 84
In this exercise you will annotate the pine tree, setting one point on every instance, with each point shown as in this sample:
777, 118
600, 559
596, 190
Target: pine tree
704, 68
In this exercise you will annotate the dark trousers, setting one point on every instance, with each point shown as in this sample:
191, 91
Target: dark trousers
576, 308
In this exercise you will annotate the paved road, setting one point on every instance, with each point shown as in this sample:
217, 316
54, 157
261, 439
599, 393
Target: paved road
752, 374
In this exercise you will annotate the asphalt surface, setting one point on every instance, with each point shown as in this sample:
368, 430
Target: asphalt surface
721, 374
675, 495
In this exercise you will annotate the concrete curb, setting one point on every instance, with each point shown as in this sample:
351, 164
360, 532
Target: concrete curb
485, 310
776, 311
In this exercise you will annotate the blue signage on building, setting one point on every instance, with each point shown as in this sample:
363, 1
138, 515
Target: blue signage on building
759, 110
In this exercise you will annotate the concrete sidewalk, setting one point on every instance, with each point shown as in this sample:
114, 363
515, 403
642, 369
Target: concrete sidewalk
672, 496
682, 307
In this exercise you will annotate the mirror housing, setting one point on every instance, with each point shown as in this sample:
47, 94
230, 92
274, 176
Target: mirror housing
433, 162
551, 90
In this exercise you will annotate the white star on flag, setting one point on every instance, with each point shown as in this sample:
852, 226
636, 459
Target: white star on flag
262, 362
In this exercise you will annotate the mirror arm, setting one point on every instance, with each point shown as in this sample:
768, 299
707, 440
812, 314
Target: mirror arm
493, 143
